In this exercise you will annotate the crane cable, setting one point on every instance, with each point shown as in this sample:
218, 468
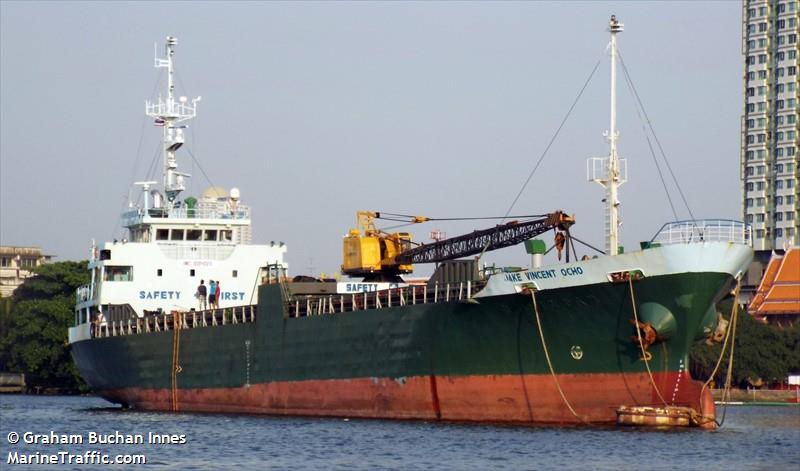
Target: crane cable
555, 135
629, 82
414, 219
411, 220
658, 143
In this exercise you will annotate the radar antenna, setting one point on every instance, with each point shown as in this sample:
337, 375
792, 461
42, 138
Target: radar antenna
168, 112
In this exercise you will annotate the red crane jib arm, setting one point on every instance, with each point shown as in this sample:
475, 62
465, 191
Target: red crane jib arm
498, 237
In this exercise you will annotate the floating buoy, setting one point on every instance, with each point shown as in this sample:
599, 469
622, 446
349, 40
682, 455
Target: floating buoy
668, 416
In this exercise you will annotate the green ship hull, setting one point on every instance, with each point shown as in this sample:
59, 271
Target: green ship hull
482, 360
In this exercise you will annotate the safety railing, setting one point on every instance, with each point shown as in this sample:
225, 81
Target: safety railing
212, 211
703, 230
317, 305
172, 320
203, 211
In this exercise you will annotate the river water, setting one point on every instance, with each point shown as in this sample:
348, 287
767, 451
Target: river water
752, 437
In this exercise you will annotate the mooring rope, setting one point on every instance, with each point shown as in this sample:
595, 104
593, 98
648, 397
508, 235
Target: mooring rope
645, 355
730, 334
547, 357
176, 348
726, 392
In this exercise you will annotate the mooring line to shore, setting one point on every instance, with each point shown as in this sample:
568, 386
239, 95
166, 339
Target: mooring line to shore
177, 322
730, 334
645, 354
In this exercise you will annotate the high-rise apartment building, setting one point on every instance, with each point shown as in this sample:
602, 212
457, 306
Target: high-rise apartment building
770, 161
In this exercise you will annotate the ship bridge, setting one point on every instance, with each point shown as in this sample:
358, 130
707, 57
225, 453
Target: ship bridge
217, 217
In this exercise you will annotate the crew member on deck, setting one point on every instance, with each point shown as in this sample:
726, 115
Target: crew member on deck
201, 295
212, 291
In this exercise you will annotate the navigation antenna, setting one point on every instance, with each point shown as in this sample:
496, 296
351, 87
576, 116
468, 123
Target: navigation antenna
610, 172
168, 113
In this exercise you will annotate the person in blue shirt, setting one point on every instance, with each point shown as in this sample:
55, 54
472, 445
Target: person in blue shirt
212, 293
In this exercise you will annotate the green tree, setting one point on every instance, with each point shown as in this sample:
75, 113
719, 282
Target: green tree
34, 340
761, 351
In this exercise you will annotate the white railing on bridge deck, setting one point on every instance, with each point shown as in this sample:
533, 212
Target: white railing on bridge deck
211, 211
215, 210
703, 230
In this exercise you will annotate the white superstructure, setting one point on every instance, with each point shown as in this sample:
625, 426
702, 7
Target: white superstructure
172, 243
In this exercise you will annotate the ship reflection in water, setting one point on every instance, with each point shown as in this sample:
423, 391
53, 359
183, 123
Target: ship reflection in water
752, 438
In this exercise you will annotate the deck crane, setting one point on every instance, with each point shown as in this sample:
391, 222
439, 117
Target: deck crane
380, 256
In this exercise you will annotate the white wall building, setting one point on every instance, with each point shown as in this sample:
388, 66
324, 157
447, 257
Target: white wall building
769, 155
16, 264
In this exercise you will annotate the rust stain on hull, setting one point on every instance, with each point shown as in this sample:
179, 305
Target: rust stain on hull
490, 398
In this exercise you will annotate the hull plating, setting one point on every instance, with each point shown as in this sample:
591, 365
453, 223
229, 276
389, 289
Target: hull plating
519, 399
451, 361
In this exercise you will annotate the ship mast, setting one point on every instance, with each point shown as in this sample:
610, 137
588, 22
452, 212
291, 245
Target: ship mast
611, 172
168, 113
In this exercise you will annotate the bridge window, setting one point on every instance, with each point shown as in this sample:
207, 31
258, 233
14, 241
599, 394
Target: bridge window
194, 234
226, 235
177, 234
118, 273
162, 234
210, 234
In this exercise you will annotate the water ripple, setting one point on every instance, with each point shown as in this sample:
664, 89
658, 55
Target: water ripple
752, 438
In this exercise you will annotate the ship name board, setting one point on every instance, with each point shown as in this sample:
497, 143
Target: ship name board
176, 295
159, 294
366, 287
198, 263
519, 277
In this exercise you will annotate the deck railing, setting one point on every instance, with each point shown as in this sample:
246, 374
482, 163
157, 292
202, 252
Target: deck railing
318, 305
215, 210
703, 230
298, 306
170, 321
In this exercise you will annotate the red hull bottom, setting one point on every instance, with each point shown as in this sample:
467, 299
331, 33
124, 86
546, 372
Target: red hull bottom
529, 399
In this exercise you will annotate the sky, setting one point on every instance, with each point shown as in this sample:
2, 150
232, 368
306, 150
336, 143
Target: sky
316, 110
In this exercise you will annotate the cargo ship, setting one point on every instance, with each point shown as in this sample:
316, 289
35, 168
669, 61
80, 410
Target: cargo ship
562, 343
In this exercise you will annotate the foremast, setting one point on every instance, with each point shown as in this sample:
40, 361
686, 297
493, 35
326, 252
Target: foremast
168, 113
611, 172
